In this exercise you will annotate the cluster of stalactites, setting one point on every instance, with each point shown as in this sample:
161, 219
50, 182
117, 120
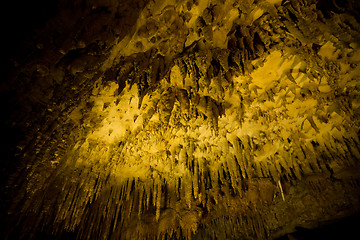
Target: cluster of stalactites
215, 133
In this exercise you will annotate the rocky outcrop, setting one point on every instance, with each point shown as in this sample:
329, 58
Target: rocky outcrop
184, 119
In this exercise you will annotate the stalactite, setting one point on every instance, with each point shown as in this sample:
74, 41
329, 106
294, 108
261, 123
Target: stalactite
185, 135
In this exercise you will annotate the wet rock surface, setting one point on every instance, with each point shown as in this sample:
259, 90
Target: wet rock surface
182, 119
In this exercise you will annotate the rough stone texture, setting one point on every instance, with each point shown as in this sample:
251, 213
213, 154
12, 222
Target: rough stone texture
182, 119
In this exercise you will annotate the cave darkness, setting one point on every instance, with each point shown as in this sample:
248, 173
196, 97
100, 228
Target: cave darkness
180, 119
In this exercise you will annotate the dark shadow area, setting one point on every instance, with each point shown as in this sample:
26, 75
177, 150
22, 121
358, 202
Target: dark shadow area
21, 19
346, 228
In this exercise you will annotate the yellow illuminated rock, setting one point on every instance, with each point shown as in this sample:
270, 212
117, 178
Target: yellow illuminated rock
189, 119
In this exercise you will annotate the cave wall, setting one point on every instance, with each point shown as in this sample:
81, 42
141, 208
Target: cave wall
181, 119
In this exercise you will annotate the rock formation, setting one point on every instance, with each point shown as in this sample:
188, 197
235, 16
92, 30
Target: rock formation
174, 119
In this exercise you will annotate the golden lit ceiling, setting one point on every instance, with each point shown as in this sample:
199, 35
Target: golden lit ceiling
188, 119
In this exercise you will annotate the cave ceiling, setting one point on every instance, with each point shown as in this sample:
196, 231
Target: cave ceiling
177, 119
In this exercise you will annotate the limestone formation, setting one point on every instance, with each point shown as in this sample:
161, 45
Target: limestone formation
175, 119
